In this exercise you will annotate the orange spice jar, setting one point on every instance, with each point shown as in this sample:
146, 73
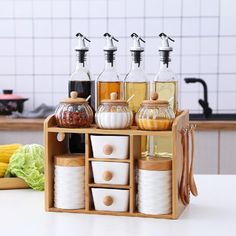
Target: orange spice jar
155, 115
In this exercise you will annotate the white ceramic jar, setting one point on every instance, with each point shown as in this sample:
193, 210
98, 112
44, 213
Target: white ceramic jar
114, 147
114, 114
69, 181
155, 186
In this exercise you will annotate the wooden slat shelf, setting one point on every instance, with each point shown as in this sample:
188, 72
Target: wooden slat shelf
109, 160
115, 186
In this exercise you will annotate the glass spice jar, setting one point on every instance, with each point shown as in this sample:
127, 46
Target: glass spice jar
74, 112
155, 114
114, 114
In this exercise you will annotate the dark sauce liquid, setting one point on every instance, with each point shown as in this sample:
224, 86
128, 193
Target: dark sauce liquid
84, 89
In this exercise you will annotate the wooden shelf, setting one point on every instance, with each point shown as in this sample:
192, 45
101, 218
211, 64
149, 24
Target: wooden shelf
132, 214
94, 130
54, 147
109, 160
93, 185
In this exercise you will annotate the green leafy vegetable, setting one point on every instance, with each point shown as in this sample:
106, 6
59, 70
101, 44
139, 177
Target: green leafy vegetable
28, 163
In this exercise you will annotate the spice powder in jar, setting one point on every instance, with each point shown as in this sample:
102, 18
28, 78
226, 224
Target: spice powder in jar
155, 115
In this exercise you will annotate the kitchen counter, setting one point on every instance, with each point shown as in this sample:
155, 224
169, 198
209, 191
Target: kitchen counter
7, 123
212, 213
10, 124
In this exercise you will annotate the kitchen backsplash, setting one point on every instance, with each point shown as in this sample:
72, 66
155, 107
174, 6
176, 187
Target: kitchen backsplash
37, 38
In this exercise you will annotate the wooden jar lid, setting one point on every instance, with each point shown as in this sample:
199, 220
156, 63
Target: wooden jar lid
159, 164
74, 99
70, 160
113, 100
155, 101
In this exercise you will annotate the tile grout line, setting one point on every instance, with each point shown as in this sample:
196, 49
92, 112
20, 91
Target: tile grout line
33, 53
180, 57
218, 57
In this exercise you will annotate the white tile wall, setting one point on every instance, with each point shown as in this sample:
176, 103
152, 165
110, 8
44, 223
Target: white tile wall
37, 41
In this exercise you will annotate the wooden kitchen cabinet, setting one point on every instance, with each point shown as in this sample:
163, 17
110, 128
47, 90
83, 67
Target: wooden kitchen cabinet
24, 131
206, 152
215, 152
227, 152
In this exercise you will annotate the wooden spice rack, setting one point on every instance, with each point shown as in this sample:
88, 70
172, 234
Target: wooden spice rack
55, 147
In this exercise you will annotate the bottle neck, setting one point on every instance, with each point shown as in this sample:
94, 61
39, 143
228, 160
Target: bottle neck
164, 65
81, 60
110, 62
164, 59
137, 62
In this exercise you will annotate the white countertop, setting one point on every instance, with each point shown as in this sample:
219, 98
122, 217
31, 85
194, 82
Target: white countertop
212, 213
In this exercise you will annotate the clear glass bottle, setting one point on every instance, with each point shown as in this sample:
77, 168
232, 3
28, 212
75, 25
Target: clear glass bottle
165, 83
80, 81
136, 83
108, 81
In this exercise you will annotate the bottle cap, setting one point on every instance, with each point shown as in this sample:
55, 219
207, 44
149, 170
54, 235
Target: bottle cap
81, 43
109, 42
136, 43
165, 42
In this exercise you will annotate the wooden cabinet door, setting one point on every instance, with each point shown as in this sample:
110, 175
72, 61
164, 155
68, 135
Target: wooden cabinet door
227, 142
206, 152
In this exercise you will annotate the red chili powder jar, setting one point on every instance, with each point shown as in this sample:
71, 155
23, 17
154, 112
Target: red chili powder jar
74, 112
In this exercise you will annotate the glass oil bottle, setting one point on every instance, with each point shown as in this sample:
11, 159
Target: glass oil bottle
136, 83
165, 85
108, 81
81, 82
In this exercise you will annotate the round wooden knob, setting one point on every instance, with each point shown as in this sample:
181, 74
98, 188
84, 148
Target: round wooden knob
154, 96
74, 94
107, 175
108, 200
60, 137
107, 149
113, 96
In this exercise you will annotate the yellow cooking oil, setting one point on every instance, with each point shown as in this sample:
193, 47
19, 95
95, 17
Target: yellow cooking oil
162, 146
167, 90
104, 89
140, 92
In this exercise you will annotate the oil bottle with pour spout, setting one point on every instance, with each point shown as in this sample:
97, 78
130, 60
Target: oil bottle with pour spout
108, 81
80, 81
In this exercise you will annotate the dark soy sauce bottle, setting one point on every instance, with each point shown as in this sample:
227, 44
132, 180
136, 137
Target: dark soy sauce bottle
81, 82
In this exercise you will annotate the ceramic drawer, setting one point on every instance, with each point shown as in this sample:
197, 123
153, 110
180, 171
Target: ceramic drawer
115, 147
110, 173
110, 199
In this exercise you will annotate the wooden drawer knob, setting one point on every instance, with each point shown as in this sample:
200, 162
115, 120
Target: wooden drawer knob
108, 200
107, 149
107, 175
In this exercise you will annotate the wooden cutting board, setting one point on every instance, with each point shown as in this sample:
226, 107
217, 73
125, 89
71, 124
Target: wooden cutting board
12, 183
